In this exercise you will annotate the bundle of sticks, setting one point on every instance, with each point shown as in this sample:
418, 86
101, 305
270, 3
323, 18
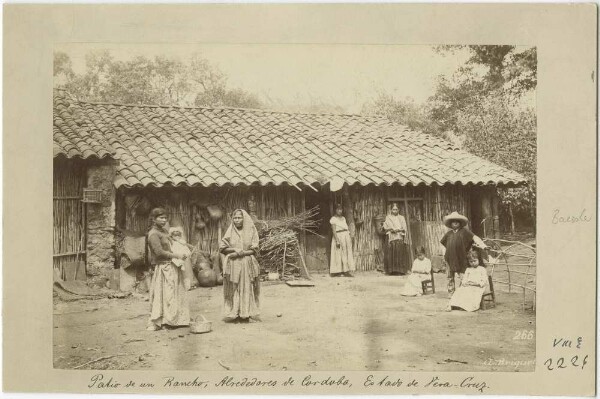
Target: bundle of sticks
279, 245
305, 221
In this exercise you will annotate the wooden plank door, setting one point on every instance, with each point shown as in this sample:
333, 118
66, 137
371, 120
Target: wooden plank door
69, 224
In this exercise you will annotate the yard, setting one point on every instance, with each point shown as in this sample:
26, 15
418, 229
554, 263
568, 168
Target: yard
342, 323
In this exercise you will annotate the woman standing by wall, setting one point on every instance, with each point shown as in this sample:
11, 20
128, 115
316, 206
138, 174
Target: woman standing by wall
241, 286
167, 293
342, 258
396, 258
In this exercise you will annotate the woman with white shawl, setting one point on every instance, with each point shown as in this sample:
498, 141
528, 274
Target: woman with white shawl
396, 251
241, 286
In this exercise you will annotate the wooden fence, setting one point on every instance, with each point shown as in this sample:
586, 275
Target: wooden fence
514, 267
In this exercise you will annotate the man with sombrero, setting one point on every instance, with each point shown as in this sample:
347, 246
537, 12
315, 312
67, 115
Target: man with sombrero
458, 241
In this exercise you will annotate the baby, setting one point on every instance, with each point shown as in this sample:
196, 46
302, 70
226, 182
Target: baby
180, 247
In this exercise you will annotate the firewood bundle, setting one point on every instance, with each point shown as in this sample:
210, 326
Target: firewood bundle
301, 222
279, 245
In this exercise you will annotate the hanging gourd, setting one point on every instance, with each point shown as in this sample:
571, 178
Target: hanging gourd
199, 222
215, 212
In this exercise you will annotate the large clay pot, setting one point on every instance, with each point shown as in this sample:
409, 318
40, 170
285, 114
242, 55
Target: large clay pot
207, 278
204, 265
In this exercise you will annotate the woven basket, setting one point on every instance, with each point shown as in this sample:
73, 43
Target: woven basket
200, 326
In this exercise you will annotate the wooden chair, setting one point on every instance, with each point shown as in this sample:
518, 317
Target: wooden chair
488, 300
428, 285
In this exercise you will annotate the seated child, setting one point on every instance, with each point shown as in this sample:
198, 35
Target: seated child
421, 271
180, 247
474, 282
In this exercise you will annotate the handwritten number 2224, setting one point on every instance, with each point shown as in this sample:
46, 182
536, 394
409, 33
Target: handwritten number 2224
560, 363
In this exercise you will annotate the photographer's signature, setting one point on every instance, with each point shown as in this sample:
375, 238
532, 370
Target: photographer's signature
560, 218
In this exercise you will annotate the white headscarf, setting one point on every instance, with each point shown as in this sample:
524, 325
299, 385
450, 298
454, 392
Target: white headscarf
244, 238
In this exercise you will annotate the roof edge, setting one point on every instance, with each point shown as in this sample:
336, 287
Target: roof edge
68, 97
506, 183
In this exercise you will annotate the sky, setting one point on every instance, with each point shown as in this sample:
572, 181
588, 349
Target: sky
303, 74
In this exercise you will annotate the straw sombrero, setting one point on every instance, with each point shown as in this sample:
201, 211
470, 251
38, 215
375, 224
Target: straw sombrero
455, 216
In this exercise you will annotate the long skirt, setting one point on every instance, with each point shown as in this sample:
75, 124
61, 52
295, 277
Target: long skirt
342, 258
242, 299
396, 258
467, 297
168, 296
413, 285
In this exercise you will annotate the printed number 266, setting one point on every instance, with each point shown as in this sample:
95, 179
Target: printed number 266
523, 334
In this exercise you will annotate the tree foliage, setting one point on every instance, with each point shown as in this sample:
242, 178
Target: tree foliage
405, 111
156, 81
505, 134
481, 107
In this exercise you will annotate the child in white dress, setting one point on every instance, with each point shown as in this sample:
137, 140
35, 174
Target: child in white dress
474, 282
421, 271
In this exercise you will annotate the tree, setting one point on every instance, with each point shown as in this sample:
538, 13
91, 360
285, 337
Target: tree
480, 107
505, 134
521, 71
63, 67
156, 81
405, 112
452, 95
487, 70
502, 64
482, 104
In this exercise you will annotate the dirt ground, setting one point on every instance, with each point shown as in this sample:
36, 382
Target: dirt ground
342, 323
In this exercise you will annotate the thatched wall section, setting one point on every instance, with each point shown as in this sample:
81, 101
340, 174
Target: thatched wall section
426, 208
186, 205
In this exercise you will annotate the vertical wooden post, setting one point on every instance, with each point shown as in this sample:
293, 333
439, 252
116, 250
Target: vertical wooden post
283, 261
408, 235
486, 211
496, 213
289, 210
348, 210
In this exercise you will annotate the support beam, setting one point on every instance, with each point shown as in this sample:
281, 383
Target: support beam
487, 213
348, 210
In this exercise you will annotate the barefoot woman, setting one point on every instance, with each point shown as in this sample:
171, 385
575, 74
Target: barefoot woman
241, 287
342, 259
167, 293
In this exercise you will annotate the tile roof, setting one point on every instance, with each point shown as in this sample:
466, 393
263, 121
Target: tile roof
217, 146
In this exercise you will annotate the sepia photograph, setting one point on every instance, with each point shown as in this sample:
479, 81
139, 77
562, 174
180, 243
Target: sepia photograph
272, 207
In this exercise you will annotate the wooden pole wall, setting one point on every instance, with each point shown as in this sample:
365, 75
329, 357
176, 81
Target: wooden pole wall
69, 225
